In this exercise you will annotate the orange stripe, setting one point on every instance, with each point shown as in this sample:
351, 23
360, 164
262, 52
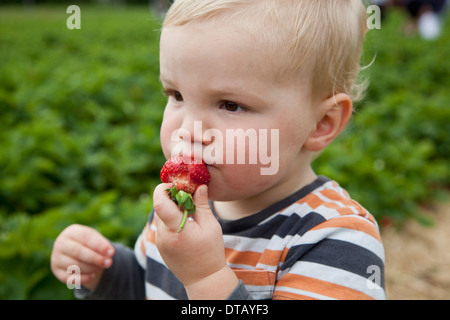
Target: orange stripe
242, 257
332, 195
283, 295
251, 258
272, 257
314, 201
336, 196
311, 200
343, 211
142, 247
350, 223
256, 277
320, 287
150, 235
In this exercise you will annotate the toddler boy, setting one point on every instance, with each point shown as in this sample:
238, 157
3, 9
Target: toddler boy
283, 66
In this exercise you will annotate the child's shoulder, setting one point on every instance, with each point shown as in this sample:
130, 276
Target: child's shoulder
327, 227
331, 200
329, 206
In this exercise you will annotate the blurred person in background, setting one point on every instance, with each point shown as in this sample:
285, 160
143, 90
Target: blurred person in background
425, 16
160, 6
383, 5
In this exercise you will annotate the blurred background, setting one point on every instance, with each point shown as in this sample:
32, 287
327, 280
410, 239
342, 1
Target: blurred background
80, 111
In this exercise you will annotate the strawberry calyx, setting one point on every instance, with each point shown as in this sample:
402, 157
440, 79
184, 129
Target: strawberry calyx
184, 201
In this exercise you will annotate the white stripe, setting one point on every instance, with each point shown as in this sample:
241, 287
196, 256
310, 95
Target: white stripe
303, 293
300, 210
245, 244
240, 266
268, 267
138, 253
339, 203
152, 252
326, 213
255, 244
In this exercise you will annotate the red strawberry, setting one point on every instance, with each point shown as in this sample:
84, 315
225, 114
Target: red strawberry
186, 175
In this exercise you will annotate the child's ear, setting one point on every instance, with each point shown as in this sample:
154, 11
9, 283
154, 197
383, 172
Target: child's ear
333, 115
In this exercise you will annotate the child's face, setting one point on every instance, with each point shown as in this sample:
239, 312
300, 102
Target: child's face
218, 79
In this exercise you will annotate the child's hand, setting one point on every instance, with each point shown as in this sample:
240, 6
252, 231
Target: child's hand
84, 247
196, 255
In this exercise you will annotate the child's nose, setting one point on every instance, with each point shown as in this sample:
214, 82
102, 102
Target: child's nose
192, 138
194, 127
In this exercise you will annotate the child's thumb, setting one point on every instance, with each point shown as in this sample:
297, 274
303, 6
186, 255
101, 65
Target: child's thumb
203, 214
201, 198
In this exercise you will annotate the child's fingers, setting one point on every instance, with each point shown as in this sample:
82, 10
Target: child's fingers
166, 210
203, 212
82, 247
66, 263
87, 255
67, 277
91, 239
66, 267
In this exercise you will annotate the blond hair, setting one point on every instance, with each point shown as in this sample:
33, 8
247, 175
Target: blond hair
320, 38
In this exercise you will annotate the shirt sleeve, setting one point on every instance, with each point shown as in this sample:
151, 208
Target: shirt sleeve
341, 258
124, 280
240, 293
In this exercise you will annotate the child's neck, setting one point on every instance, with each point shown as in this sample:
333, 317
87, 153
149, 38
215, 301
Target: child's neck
233, 210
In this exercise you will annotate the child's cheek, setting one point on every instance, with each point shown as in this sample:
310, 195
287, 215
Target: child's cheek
236, 181
166, 138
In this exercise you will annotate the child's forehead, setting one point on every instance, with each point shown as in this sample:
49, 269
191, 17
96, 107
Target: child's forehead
210, 37
319, 39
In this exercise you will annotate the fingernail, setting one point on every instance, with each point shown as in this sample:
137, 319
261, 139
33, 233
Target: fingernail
203, 191
107, 262
110, 252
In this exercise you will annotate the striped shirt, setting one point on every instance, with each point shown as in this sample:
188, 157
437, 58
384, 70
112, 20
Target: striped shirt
317, 243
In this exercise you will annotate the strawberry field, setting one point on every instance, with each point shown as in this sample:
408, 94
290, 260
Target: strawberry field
79, 131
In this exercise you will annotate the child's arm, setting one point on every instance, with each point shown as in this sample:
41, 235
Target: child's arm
196, 255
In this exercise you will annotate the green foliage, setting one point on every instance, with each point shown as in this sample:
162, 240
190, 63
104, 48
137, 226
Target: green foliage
26, 240
80, 112
85, 107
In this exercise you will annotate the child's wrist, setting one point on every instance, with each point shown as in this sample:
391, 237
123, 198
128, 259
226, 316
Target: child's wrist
217, 286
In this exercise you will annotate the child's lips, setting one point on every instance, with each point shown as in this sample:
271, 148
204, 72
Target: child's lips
191, 156
195, 157
208, 160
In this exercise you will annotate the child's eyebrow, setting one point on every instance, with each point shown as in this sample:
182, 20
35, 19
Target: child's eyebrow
165, 80
238, 92
161, 78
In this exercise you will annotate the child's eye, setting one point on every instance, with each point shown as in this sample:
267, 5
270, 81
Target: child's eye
232, 106
177, 95
174, 94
